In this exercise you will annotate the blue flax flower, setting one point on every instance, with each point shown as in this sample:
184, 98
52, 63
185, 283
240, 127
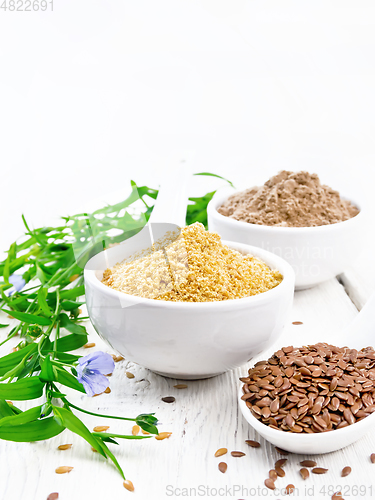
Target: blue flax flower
91, 372
18, 283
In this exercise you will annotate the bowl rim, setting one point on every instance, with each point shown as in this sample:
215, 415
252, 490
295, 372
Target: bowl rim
223, 194
286, 271
296, 437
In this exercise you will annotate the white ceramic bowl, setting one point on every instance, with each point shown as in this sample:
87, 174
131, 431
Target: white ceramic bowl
316, 254
187, 340
309, 444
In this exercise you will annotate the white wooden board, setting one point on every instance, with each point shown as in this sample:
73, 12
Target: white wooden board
204, 418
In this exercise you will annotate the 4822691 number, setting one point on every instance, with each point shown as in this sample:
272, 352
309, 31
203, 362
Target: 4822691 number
26, 5
348, 490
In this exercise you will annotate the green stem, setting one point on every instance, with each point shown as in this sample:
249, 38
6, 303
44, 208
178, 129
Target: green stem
55, 341
123, 436
95, 414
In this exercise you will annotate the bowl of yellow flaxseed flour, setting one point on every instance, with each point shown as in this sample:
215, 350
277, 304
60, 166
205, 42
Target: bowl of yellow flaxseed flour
192, 307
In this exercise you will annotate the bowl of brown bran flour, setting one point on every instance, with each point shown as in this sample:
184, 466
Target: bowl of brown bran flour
296, 217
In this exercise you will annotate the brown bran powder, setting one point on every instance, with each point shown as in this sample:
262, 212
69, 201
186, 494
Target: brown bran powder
289, 199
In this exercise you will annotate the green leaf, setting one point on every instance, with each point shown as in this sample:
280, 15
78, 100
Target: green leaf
5, 409
32, 431
74, 424
217, 176
11, 256
42, 295
69, 325
66, 358
70, 305
65, 378
67, 343
47, 373
149, 417
57, 395
30, 367
22, 418
29, 318
40, 274
73, 293
197, 210
14, 358
108, 439
146, 422
3, 326
22, 390
112, 457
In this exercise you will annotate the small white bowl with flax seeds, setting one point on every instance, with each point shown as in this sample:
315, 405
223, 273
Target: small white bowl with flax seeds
312, 399
208, 323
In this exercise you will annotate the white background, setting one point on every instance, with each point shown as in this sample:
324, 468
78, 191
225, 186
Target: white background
98, 92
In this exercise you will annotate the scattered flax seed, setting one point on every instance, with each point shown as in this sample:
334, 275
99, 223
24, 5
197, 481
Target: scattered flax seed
101, 428
118, 358
53, 496
304, 473
290, 489
223, 467
337, 496
195, 267
281, 462
169, 399
128, 485
64, 469
129, 374
108, 390
237, 454
73, 277
308, 463
163, 435
273, 474
9, 402
64, 446
180, 386
253, 444
94, 450
346, 471
319, 470
372, 458
135, 430
89, 345
145, 432
269, 484
221, 451
280, 472
297, 323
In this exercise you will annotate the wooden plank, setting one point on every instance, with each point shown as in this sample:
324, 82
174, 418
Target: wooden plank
204, 418
359, 277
